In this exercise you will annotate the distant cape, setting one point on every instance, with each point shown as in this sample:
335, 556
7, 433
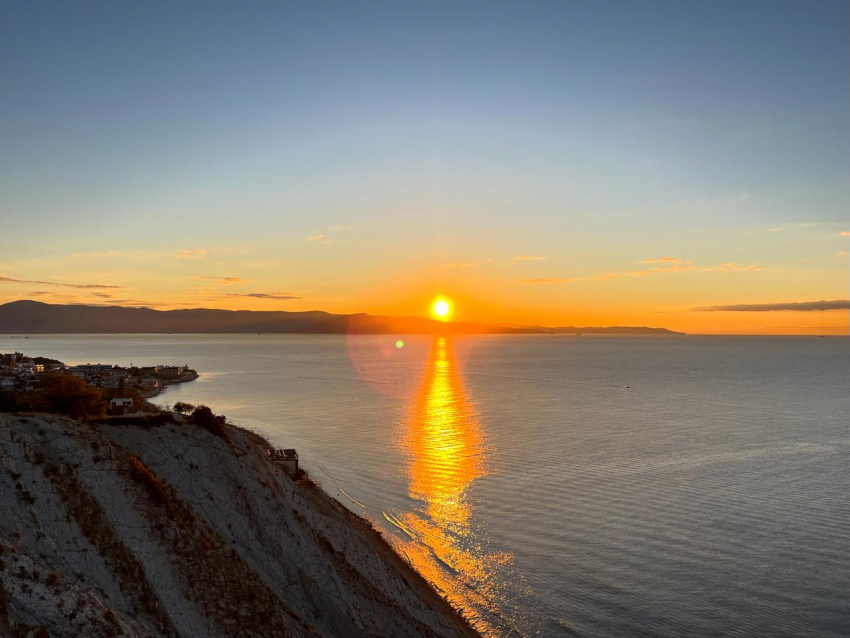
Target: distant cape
34, 317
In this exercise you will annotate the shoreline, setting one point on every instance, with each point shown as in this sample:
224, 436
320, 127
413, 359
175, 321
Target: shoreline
164, 383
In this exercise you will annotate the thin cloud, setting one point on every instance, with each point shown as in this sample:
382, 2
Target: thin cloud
277, 296
844, 233
671, 265
730, 267
109, 253
667, 260
101, 299
53, 295
783, 227
14, 280
546, 280
137, 303
191, 253
223, 280
530, 258
795, 306
649, 272
460, 264
315, 237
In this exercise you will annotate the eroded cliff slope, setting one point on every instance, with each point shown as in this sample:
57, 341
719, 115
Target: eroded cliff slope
134, 530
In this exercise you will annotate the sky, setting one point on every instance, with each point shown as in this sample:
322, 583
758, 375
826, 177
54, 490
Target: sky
683, 165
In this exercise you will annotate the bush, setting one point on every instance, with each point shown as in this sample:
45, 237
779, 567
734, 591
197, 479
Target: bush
205, 418
157, 492
7, 401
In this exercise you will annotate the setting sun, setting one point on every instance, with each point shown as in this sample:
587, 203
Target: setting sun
441, 308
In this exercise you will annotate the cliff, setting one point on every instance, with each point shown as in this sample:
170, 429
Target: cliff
174, 530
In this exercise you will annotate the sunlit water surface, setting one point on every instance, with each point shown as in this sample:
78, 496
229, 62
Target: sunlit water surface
709, 497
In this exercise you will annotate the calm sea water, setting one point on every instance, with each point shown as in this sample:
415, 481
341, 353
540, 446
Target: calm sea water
709, 497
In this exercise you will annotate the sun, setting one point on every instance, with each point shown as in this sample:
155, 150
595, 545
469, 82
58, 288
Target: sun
442, 308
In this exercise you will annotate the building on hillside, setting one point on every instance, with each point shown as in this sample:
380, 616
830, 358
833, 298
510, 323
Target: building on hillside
121, 406
286, 458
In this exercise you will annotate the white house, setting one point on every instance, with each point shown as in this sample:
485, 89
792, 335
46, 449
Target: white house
121, 402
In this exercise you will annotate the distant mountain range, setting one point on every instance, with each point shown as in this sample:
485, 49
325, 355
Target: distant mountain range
33, 317
610, 330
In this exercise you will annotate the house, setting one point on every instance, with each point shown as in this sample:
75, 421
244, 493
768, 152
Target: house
287, 459
7, 383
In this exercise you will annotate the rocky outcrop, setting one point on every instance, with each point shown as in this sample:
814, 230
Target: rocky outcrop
171, 530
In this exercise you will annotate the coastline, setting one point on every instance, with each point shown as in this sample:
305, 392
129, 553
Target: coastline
191, 375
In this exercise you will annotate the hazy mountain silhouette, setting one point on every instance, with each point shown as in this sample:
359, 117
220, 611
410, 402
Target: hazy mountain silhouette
33, 317
612, 330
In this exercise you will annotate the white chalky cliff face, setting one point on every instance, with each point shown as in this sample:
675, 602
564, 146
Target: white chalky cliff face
170, 530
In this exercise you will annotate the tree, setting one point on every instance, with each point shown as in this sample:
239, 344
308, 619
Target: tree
183, 408
66, 394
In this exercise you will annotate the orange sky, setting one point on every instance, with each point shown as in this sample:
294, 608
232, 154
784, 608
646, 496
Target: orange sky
353, 272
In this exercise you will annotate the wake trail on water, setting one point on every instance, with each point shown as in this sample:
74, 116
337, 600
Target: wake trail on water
336, 478
351, 498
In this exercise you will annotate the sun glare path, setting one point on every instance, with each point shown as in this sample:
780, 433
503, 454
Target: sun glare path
445, 449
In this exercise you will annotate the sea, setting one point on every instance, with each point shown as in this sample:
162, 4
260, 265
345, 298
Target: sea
573, 485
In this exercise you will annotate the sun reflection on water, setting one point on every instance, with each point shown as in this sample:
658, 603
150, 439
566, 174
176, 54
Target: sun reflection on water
443, 443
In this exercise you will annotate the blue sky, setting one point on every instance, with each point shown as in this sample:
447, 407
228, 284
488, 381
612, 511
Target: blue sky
591, 133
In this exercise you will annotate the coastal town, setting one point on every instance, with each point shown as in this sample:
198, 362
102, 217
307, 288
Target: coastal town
123, 389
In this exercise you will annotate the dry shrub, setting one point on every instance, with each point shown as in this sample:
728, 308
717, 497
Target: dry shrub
205, 418
145, 477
